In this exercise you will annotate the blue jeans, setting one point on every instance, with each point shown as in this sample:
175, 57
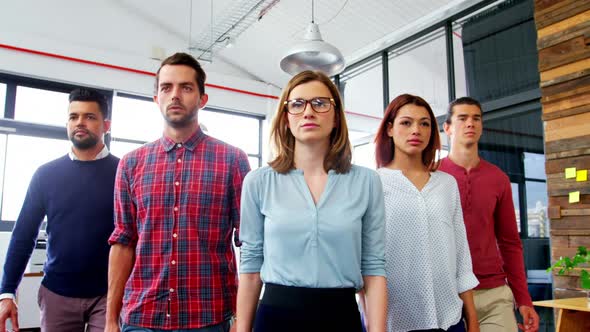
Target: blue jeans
222, 327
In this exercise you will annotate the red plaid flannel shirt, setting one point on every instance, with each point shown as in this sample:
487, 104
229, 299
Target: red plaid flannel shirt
178, 205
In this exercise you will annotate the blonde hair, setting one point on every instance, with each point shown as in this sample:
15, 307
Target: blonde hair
282, 140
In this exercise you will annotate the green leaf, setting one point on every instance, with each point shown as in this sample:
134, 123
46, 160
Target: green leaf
585, 279
566, 264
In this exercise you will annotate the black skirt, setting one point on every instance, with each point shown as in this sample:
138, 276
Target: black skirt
286, 309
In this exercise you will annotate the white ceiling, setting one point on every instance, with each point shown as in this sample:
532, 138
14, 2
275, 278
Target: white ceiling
132, 32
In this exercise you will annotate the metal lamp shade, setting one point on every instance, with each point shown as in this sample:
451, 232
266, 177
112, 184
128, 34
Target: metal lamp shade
313, 54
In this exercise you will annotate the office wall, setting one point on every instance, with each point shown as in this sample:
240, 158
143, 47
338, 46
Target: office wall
563, 27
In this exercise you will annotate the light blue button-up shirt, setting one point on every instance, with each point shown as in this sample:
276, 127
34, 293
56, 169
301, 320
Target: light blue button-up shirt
292, 241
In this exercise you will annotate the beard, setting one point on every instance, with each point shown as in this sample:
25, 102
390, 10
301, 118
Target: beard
86, 143
180, 121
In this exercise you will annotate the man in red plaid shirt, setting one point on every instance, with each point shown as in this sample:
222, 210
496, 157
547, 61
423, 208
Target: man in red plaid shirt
172, 265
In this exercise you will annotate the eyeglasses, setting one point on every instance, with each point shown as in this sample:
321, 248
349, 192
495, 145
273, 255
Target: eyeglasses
318, 105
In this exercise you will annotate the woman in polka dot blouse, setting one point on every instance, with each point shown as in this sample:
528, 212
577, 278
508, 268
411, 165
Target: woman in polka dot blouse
428, 264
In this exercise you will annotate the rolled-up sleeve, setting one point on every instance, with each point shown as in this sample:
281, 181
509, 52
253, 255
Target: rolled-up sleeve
466, 280
373, 231
125, 210
240, 168
251, 225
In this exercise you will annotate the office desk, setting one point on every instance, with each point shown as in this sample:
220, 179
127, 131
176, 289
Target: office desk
26, 298
573, 314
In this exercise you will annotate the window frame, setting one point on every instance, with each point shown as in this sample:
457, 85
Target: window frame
10, 126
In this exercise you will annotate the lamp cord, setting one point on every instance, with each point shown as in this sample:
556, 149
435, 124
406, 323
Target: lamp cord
190, 24
331, 18
335, 15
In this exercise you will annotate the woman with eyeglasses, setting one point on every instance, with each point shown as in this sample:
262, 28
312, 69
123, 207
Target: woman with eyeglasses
312, 224
428, 264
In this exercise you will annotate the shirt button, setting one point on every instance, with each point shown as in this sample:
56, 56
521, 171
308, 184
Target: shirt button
171, 290
179, 145
173, 262
179, 160
177, 183
176, 208
174, 235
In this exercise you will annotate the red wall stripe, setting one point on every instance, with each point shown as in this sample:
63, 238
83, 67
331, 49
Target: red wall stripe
131, 70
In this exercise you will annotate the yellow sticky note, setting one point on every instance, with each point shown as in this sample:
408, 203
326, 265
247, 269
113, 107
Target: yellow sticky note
575, 197
582, 175
570, 173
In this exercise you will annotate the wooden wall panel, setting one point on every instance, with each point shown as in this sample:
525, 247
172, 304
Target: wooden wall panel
553, 11
565, 145
569, 106
579, 30
563, 41
559, 165
560, 241
567, 127
564, 25
574, 69
565, 89
563, 53
564, 202
576, 241
565, 282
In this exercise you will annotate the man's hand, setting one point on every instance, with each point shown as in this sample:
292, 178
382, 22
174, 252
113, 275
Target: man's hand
530, 319
112, 327
8, 310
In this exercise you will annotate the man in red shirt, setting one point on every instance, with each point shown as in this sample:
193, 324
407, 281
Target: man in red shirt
490, 221
177, 200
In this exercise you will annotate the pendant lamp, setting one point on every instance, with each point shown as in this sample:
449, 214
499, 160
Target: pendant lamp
313, 53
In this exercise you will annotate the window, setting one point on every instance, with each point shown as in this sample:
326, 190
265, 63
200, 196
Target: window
536, 201
2, 164
254, 162
2, 98
362, 89
120, 149
136, 118
459, 62
41, 106
24, 154
516, 201
356, 136
420, 68
40, 111
534, 166
460, 55
237, 130
442, 153
536, 194
364, 155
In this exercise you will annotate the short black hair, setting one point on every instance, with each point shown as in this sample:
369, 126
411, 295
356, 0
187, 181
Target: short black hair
461, 101
187, 60
85, 94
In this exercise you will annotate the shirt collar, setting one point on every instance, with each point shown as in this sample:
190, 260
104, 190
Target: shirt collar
190, 144
451, 164
102, 154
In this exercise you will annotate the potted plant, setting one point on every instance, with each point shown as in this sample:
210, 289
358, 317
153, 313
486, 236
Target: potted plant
567, 265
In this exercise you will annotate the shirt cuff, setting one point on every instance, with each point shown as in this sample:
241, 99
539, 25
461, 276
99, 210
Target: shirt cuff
466, 282
7, 296
122, 238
